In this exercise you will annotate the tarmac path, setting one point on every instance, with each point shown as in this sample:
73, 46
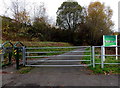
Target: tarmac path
59, 76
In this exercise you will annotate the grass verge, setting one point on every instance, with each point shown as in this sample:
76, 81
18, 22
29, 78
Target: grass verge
24, 70
108, 68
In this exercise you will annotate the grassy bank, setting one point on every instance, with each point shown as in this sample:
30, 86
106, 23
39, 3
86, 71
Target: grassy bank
108, 68
49, 51
41, 44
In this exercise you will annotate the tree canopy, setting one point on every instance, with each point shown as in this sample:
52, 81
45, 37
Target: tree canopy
99, 20
69, 15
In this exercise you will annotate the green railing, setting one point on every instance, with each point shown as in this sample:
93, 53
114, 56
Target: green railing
6, 51
18, 48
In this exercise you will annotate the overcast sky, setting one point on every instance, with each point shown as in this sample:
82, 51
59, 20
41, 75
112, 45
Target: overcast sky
52, 6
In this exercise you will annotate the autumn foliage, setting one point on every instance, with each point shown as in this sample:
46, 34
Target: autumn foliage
74, 24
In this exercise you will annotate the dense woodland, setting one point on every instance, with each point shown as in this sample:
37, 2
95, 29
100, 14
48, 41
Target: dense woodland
75, 23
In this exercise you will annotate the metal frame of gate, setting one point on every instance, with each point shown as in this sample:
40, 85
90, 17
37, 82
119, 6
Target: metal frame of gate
46, 58
91, 60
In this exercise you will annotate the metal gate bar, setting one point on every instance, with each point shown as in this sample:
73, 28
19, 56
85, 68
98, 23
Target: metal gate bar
56, 47
57, 60
58, 65
59, 56
57, 52
49, 59
108, 63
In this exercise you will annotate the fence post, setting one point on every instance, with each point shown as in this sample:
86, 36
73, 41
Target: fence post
116, 53
10, 57
93, 56
17, 58
116, 48
2, 55
23, 56
102, 56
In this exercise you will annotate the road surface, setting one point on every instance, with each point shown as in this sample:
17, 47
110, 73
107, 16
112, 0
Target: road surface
58, 76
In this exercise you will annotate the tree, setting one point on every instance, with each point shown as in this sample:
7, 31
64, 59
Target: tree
69, 15
40, 12
20, 13
40, 28
22, 17
40, 25
5, 26
9, 27
99, 21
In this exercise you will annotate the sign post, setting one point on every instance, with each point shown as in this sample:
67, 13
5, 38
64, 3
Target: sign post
116, 49
103, 52
110, 40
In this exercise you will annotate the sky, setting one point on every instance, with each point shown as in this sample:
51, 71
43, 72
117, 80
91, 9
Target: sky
52, 6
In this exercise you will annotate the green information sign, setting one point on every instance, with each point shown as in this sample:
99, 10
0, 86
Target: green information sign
109, 40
